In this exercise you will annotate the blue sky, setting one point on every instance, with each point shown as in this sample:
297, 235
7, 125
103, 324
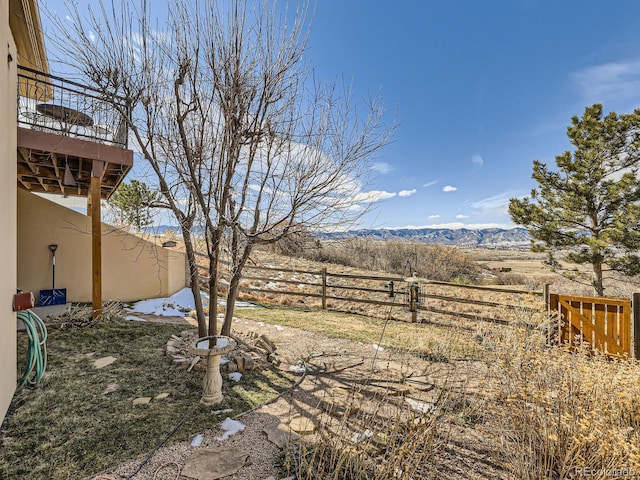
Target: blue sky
480, 88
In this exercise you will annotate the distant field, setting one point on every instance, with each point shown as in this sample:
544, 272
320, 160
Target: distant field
520, 262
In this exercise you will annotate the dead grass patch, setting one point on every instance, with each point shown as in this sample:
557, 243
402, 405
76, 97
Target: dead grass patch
559, 413
67, 427
446, 340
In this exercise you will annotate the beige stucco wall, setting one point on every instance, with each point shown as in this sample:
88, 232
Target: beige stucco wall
8, 146
132, 268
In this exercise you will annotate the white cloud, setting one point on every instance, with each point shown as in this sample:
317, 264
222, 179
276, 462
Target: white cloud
433, 217
372, 196
460, 216
92, 37
610, 81
382, 167
431, 183
406, 193
449, 188
497, 204
458, 225
476, 159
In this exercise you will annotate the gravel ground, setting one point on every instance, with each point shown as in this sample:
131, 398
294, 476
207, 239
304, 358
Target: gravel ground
333, 363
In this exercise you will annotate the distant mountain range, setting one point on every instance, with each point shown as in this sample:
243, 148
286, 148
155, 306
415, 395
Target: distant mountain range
462, 237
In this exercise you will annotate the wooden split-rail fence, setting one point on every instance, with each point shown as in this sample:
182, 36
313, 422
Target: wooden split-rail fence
609, 325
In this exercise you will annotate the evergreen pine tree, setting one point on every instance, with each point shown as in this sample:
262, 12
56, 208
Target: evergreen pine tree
586, 212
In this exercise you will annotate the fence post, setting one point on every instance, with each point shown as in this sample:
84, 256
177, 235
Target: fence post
413, 301
636, 325
546, 293
324, 288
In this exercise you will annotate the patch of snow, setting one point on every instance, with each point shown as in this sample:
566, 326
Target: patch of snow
247, 305
197, 440
222, 342
134, 318
174, 306
398, 473
239, 304
224, 360
230, 427
299, 369
360, 437
421, 407
378, 347
226, 410
203, 344
278, 327
235, 376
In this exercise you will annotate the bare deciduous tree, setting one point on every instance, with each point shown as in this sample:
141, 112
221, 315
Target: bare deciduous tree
227, 113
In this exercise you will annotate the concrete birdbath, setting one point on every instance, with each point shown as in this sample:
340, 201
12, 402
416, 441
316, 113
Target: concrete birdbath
212, 348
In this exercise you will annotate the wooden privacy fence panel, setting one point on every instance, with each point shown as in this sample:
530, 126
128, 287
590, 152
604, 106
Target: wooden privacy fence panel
603, 323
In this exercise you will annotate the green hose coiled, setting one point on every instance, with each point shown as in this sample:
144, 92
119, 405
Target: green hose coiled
37, 354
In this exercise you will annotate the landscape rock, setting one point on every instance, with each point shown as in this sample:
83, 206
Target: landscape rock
247, 356
302, 424
112, 387
215, 463
104, 361
340, 402
280, 434
245, 362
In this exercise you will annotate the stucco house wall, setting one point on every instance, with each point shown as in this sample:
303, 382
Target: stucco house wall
8, 146
132, 268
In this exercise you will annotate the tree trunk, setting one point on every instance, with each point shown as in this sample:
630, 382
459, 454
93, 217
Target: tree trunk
234, 284
213, 295
598, 284
195, 283
234, 287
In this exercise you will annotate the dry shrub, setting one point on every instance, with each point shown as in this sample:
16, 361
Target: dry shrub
80, 315
559, 411
511, 279
436, 262
375, 445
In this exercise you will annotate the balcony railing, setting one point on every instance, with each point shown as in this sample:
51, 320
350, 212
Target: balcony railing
55, 105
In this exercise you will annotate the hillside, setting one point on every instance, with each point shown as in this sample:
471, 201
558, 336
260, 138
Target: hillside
487, 238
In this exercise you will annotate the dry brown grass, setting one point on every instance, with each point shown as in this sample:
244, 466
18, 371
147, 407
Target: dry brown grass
538, 412
556, 412
542, 412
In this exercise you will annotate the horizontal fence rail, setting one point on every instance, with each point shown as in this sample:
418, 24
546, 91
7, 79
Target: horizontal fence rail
609, 325
407, 295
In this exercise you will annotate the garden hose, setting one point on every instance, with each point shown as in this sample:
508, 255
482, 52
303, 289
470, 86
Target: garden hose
36, 363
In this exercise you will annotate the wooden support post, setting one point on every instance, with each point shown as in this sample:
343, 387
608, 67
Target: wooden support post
636, 325
324, 288
96, 240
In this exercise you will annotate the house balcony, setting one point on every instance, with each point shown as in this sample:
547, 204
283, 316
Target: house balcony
67, 134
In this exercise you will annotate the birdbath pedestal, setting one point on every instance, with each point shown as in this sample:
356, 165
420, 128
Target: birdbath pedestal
212, 348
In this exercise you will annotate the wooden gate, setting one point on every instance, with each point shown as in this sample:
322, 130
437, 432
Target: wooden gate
604, 323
